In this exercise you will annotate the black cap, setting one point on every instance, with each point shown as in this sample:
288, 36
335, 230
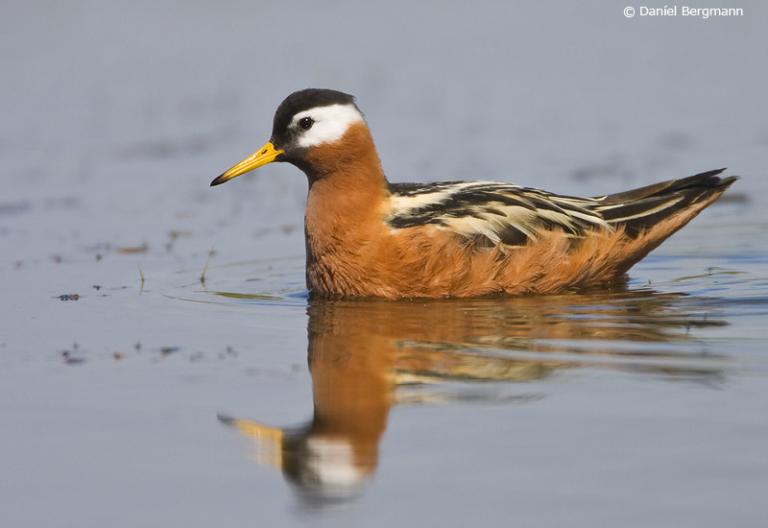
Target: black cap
301, 101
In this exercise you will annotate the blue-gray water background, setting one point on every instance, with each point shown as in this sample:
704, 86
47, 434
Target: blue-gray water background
637, 408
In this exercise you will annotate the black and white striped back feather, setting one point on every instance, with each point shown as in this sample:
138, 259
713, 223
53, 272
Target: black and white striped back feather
493, 213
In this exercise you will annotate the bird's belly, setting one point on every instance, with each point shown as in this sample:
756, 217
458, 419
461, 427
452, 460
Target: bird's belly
406, 263
432, 264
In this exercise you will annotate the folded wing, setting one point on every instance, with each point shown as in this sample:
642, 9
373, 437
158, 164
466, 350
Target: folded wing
492, 213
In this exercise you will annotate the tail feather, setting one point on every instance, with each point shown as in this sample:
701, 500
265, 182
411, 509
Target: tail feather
638, 210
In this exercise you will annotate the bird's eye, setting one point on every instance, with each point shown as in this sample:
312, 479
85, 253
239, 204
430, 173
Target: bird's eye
306, 123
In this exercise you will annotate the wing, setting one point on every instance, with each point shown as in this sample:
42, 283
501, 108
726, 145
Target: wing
492, 212
502, 213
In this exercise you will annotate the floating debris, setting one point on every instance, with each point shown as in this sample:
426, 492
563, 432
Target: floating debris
168, 350
211, 253
69, 297
69, 359
130, 250
118, 355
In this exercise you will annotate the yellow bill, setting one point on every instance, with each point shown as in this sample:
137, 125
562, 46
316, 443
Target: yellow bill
269, 440
266, 154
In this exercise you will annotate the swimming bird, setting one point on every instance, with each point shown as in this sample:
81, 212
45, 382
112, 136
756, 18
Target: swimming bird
368, 237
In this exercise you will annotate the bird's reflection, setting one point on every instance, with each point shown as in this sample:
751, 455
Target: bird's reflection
366, 356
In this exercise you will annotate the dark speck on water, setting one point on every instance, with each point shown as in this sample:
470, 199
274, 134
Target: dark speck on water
70, 359
69, 297
639, 405
168, 350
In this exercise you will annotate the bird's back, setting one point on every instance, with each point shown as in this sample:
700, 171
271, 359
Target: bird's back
503, 213
476, 238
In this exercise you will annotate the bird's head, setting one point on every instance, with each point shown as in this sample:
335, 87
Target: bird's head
314, 129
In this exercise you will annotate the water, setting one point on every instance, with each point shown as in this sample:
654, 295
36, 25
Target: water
188, 379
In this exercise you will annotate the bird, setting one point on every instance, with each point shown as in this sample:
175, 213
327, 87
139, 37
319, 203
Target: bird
368, 237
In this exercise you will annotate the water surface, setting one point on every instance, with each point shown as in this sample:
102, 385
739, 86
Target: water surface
161, 363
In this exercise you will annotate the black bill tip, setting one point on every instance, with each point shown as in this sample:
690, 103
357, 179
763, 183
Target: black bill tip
219, 180
226, 420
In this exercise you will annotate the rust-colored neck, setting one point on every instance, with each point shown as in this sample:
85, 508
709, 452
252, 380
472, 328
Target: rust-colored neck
351, 161
347, 194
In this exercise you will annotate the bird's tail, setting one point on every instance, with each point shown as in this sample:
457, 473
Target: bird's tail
640, 209
651, 214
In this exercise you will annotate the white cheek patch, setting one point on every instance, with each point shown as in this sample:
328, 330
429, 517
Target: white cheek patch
331, 123
332, 462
